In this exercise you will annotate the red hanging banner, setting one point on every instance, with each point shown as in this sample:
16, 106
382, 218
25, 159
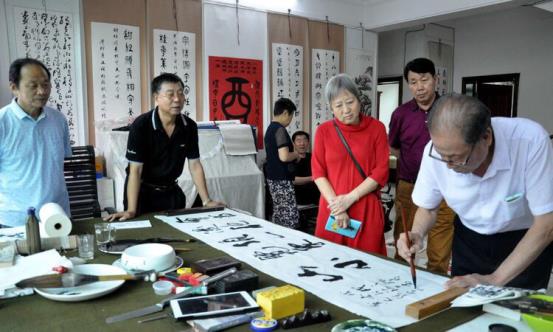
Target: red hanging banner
236, 91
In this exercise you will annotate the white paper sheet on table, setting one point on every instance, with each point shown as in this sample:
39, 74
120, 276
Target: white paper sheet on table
361, 283
30, 266
131, 224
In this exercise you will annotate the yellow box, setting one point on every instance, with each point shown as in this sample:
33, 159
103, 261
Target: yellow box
281, 302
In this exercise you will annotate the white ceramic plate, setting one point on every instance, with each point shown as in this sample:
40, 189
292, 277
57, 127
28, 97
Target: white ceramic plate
178, 263
88, 291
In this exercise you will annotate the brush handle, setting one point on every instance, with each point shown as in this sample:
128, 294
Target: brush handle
116, 277
409, 244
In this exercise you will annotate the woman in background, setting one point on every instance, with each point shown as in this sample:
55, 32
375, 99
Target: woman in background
345, 193
280, 165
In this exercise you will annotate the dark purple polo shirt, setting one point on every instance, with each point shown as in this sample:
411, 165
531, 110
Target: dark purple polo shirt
409, 133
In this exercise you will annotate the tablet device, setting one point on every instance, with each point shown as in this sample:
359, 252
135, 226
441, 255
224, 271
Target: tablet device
213, 305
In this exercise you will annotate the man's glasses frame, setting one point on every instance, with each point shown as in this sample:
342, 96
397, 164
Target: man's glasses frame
450, 162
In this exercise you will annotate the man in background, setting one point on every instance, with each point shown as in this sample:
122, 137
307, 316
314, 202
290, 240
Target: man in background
34, 140
306, 190
408, 136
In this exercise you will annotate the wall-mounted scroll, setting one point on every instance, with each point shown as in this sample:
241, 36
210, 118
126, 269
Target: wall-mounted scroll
442, 80
116, 71
324, 65
175, 52
236, 91
361, 68
49, 37
361, 283
288, 79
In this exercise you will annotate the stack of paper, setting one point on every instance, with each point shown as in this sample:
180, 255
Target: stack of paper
238, 140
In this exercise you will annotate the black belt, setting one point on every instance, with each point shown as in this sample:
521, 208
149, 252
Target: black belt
158, 187
409, 181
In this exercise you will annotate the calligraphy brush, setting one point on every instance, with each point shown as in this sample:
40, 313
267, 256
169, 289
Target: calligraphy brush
411, 259
70, 279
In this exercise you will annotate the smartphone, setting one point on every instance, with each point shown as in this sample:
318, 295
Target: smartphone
213, 305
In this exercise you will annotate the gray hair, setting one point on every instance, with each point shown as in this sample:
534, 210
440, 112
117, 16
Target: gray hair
338, 83
456, 112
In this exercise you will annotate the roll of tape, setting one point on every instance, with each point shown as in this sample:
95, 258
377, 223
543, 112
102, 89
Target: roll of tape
263, 325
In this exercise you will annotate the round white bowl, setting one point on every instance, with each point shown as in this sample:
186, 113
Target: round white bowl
148, 256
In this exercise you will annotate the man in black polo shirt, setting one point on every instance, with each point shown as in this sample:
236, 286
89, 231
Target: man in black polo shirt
159, 142
306, 190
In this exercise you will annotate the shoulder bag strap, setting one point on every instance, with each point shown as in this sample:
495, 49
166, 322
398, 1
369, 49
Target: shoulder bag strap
349, 150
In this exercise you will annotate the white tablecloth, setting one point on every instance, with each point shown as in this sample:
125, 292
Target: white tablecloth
235, 180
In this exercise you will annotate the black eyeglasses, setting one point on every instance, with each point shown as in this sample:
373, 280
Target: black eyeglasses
449, 161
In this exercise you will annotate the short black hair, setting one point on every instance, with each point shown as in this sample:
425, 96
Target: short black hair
300, 133
284, 104
164, 78
419, 66
17, 65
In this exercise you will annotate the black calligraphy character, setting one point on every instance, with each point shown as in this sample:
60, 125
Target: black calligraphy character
236, 95
308, 245
208, 229
242, 224
190, 220
245, 239
273, 254
359, 264
222, 215
308, 273
277, 235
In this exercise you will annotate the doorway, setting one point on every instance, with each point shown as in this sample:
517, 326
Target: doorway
389, 97
498, 92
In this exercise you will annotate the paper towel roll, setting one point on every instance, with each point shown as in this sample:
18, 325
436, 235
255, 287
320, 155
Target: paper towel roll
53, 221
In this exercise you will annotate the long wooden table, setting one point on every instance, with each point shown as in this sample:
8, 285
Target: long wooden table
35, 313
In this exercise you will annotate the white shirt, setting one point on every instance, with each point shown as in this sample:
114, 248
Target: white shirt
31, 162
517, 185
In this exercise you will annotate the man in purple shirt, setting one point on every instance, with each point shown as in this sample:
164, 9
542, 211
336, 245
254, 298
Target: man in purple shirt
408, 136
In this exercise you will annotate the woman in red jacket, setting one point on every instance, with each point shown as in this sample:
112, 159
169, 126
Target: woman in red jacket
346, 194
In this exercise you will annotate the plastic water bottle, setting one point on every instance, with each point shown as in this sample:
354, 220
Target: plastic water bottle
32, 232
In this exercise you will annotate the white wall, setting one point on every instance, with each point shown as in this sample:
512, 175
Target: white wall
5, 94
381, 14
512, 41
509, 41
347, 12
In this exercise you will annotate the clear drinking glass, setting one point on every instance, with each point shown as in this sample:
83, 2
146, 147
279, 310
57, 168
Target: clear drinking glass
104, 233
85, 243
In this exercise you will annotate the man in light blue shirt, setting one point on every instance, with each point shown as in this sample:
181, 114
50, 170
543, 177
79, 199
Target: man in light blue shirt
34, 139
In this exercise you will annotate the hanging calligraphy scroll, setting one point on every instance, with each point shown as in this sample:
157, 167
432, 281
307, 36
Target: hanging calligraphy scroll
49, 37
175, 52
236, 91
324, 65
442, 80
361, 283
115, 71
288, 79
360, 68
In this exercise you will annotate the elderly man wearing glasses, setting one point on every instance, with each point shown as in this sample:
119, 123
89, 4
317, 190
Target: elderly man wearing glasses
497, 175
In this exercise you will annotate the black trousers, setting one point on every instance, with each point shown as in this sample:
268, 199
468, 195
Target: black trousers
151, 199
478, 253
